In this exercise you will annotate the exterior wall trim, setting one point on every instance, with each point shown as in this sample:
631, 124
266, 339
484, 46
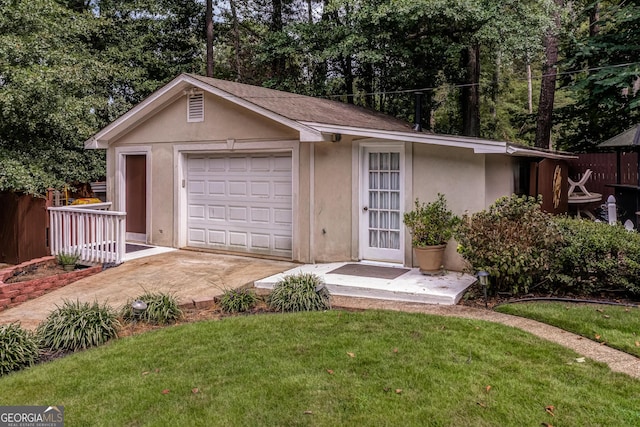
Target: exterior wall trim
120, 181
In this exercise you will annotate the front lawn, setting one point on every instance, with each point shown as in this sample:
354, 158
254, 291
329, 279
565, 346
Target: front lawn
329, 368
617, 326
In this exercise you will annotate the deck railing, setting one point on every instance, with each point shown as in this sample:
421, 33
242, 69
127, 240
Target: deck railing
92, 231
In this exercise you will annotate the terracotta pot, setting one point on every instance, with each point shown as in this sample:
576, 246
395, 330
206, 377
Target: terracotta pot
429, 258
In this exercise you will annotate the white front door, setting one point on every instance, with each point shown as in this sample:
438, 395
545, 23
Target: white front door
381, 237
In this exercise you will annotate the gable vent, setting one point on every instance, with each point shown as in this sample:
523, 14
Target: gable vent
195, 107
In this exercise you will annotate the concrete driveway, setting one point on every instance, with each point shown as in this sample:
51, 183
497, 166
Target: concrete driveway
190, 276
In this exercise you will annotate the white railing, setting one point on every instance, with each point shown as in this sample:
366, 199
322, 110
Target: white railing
92, 231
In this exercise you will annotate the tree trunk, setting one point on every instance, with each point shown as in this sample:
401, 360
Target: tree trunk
236, 39
278, 64
548, 85
208, 17
470, 98
594, 20
529, 88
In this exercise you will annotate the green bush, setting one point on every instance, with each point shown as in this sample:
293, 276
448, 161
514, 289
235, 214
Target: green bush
431, 223
78, 325
596, 257
18, 348
238, 300
514, 241
162, 309
300, 292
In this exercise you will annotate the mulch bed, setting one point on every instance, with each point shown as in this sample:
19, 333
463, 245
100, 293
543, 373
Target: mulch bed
37, 271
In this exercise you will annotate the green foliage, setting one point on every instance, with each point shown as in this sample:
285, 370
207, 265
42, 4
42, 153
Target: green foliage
238, 300
615, 325
431, 223
514, 241
77, 325
18, 348
67, 258
596, 257
162, 309
300, 292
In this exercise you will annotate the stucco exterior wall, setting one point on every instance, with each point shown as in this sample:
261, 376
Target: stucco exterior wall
333, 195
499, 177
223, 120
169, 128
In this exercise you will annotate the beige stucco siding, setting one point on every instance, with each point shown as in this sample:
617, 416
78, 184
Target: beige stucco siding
332, 206
457, 173
223, 120
499, 176
162, 195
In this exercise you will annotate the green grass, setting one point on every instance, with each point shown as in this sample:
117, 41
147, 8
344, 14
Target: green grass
617, 326
342, 368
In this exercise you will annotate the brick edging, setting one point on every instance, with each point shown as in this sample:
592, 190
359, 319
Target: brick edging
13, 294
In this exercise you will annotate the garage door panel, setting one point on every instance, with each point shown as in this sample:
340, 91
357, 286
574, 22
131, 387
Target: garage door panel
248, 203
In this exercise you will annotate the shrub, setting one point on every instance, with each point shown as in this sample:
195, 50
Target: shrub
238, 300
596, 257
67, 258
162, 309
78, 325
300, 292
514, 241
18, 348
431, 223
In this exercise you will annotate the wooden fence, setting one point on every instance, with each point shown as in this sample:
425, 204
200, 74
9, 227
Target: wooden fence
604, 167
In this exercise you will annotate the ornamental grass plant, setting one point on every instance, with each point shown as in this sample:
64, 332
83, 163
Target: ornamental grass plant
18, 348
162, 309
300, 292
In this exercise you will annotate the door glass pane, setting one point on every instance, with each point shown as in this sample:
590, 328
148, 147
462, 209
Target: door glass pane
394, 240
373, 180
395, 181
373, 219
384, 220
395, 161
373, 200
395, 200
373, 238
384, 180
395, 220
384, 239
384, 161
373, 161
384, 200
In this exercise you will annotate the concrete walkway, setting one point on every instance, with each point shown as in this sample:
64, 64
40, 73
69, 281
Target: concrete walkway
190, 276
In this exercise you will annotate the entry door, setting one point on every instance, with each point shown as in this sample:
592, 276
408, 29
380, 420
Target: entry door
136, 197
382, 237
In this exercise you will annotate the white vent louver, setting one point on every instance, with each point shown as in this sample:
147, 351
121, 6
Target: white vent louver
195, 107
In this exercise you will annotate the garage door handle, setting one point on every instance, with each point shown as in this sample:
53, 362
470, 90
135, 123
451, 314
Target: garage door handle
365, 209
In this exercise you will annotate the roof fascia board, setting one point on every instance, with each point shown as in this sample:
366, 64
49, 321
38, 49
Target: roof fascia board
478, 145
527, 152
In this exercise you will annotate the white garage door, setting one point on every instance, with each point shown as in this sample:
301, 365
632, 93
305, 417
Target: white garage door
240, 203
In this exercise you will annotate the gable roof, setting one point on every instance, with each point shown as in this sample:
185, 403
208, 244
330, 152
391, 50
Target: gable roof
315, 119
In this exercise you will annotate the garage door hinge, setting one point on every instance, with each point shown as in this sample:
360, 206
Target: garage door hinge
183, 183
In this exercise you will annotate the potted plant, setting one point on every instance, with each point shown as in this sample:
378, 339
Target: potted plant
67, 260
431, 226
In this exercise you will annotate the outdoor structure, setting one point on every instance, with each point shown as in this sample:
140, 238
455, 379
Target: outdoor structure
627, 193
213, 164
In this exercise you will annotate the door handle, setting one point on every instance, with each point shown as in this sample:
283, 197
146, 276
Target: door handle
365, 209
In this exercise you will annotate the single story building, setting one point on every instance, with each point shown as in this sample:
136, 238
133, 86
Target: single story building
213, 164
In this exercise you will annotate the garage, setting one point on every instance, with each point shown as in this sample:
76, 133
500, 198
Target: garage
240, 203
